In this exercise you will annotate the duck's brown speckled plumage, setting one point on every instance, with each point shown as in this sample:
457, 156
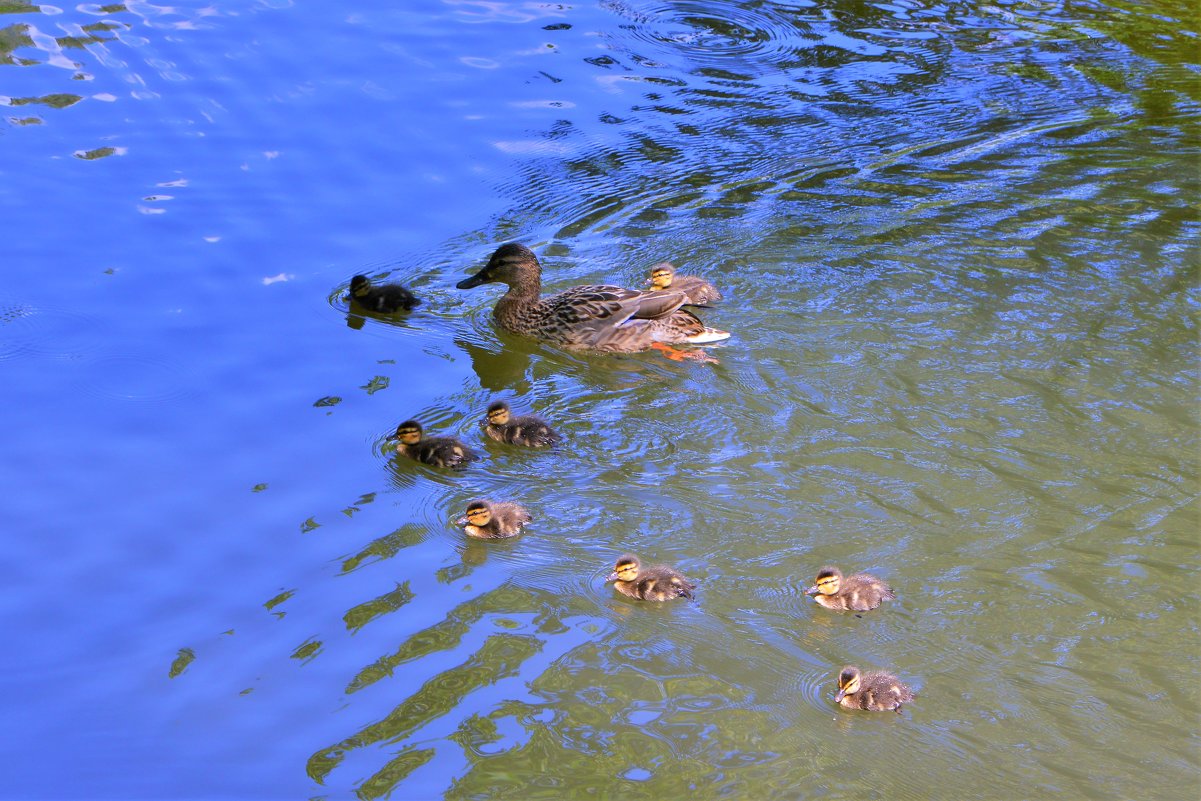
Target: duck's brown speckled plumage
876, 690
658, 583
486, 520
663, 276
859, 592
590, 317
436, 451
526, 430
384, 298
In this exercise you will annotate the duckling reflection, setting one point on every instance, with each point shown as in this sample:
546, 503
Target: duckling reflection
698, 291
385, 298
859, 592
527, 430
493, 521
436, 451
876, 691
658, 583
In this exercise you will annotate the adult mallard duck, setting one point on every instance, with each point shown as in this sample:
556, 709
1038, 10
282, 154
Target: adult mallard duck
493, 521
385, 298
699, 291
436, 451
590, 317
877, 690
526, 430
659, 583
859, 592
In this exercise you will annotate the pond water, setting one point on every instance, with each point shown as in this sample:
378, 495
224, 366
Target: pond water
958, 244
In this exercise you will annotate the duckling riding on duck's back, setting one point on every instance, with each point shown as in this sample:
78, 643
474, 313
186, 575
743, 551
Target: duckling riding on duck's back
699, 291
589, 317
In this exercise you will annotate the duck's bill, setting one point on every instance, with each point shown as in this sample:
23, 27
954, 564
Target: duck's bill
392, 437
812, 590
612, 577
839, 696
473, 281
462, 521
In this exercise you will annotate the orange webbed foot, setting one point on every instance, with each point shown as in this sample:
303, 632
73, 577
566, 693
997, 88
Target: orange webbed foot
677, 355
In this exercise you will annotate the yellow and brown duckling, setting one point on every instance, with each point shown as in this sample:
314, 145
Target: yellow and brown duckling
858, 593
590, 317
876, 690
526, 430
658, 583
699, 291
493, 521
436, 451
385, 298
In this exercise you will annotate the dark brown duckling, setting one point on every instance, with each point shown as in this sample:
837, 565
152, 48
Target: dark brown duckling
859, 592
525, 430
659, 583
493, 521
876, 690
436, 451
385, 298
699, 291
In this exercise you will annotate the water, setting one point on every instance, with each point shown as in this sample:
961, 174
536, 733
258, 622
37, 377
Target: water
958, 245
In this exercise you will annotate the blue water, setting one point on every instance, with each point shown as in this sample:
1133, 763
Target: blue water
960, 243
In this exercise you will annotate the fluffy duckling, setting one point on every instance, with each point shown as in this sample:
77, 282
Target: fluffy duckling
699, 291
659, 583
385, 298
526, 430
436, 451
875, 690
493, 521
859, 592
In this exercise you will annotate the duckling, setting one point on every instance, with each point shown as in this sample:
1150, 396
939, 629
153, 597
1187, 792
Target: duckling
699, 291
659, 583
493, 521
875, 690
590, 317
859, 592
527, 430
386, 298
436, 451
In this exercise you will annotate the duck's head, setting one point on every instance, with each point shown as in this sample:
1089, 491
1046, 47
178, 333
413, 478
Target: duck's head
661, 275
510, 264
626, 569
408, 433
479, 514
498, 414
359, 286
829, 579
848, 682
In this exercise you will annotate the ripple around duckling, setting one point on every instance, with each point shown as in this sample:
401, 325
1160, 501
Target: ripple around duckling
816, 687
34, 330
135, 377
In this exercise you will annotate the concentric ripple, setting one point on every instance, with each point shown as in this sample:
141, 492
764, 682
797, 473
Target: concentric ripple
718, 32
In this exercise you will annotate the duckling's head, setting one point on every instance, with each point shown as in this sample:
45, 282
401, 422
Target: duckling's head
829, 579
408, 432
510, 264
661, 275
625, 570
359, 286
498, 414
848, 682
479, 514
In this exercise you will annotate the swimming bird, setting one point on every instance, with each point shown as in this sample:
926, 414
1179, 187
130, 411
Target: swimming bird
436, 451
590, 317
877, 690
699, 291
526, 430
385, 298
493, 521
859, 592
659, 583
